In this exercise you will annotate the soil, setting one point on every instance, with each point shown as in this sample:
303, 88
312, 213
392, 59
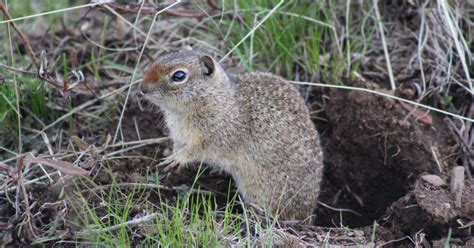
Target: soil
375, 152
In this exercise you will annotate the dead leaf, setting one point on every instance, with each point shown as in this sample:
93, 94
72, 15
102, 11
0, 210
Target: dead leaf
62, 166
419, 114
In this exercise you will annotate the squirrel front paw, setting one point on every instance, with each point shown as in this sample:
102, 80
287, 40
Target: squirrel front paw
176, 161
170, 164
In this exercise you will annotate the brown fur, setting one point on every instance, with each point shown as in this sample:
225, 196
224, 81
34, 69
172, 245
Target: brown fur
155, 72
254, 126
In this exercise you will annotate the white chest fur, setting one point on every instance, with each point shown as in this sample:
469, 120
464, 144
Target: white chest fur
181, 131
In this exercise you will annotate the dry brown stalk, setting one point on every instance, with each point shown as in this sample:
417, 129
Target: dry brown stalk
23, 38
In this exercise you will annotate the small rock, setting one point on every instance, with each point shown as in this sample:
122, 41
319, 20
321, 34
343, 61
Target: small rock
137, 178
433, 180
167, 152
358, 233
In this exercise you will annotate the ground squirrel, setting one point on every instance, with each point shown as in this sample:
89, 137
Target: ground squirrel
254, 126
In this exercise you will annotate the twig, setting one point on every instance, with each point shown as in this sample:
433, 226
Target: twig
17, 70
466, 225
152, 186
28, 182
150, 10
108, 155
393, 241
87, 104
130, 223
433, 151
138, 185
182, 13
18, 188
139, 142
339, 209
129, 23
127, 9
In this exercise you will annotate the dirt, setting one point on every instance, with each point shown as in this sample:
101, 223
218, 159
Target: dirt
374, 154
431, 209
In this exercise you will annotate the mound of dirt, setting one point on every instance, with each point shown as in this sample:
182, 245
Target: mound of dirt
431, 209
375, 152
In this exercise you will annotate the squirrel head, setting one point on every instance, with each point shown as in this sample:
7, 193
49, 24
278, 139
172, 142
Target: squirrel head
182, 80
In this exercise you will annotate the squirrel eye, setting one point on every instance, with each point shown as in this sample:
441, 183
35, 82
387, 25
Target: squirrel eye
178, 76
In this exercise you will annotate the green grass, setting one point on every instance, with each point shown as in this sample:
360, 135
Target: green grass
191, 220
35, 101
277, 44
117, 206
19, 8
33, 94
300, 40
448, 239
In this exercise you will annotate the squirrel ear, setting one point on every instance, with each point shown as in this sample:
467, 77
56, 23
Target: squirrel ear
208, 65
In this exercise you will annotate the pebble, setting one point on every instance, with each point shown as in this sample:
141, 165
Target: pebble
433, 180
